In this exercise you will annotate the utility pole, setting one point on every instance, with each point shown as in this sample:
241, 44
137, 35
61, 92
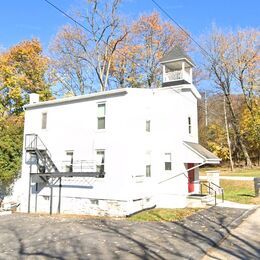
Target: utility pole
206, 108
227, 132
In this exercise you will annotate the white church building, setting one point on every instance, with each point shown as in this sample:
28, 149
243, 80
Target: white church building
114, 152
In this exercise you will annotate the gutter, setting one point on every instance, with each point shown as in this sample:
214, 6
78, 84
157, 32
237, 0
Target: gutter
104, 94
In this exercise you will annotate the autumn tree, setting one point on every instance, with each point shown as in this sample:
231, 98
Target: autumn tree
22, 71
148, 40
154, 38
83, 56
11, 136
224, 63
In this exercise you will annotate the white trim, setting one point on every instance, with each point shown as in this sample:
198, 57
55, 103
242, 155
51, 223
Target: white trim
206, 160
77, 98
168, 61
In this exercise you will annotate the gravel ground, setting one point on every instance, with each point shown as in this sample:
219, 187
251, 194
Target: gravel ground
25, 236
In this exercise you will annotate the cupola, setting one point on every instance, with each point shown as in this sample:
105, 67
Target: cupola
177, 67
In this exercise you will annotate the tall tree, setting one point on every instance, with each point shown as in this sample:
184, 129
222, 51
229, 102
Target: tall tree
222, 64
22, 71
84, 57
149, 39
11, 141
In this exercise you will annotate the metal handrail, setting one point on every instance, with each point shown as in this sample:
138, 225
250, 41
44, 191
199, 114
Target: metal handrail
222, 190
210, 188
36, 139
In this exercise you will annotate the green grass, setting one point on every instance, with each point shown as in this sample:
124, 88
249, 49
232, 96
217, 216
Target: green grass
163, 214
224, 171
239, 191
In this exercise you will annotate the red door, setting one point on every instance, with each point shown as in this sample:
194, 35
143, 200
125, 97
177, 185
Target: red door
191, 177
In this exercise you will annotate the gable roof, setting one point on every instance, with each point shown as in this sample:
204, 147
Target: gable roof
176, 53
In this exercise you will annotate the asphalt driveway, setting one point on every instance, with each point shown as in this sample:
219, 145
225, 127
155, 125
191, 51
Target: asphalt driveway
25, 236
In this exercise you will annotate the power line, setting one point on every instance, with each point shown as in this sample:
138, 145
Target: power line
122, 54
182, 29
85, 28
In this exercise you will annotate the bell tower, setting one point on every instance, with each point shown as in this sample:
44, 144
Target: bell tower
177, 67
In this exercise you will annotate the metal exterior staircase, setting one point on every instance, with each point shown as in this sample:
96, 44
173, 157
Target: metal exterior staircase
35, 146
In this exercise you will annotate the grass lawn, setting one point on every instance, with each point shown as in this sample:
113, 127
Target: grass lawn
224, 171
239, 191
163, 214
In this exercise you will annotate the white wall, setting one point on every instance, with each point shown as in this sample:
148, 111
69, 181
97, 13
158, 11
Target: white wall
73, 126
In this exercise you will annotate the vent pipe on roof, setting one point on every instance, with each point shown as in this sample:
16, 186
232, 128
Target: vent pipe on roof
34, 98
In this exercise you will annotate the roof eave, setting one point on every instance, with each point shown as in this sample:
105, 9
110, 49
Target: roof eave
77, 98
172, 60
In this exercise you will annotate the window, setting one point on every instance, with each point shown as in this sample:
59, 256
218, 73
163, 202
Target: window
148, 164
100, 161
189, 124
94, 201
148, 171
44, 120
148, 126
101, 116
168, 162
69, 161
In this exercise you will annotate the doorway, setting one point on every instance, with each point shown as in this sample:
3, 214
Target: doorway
191, 177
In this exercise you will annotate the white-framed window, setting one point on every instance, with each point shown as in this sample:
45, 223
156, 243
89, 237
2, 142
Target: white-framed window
101, 116
44, 120
148, 125
100, 161
189, 124
148, 171
148, 166
94, 201
69, 161
167, 161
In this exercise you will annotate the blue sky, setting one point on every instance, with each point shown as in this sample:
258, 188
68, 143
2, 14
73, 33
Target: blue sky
25, 19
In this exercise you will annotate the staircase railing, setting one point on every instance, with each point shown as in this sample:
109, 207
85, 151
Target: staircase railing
210, 189
34, 143
220, 188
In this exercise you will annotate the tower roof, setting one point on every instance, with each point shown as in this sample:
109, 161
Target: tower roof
176, 53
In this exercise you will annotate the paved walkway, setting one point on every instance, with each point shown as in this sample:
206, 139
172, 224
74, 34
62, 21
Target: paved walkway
243, 242
41, 237
233, 178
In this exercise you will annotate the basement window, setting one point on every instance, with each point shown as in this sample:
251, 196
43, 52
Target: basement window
94, 201
44, 120
46, 197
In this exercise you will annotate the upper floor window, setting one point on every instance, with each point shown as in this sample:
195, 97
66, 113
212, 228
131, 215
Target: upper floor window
101, 116
148, 126
189, 124
44, 120
168, 161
